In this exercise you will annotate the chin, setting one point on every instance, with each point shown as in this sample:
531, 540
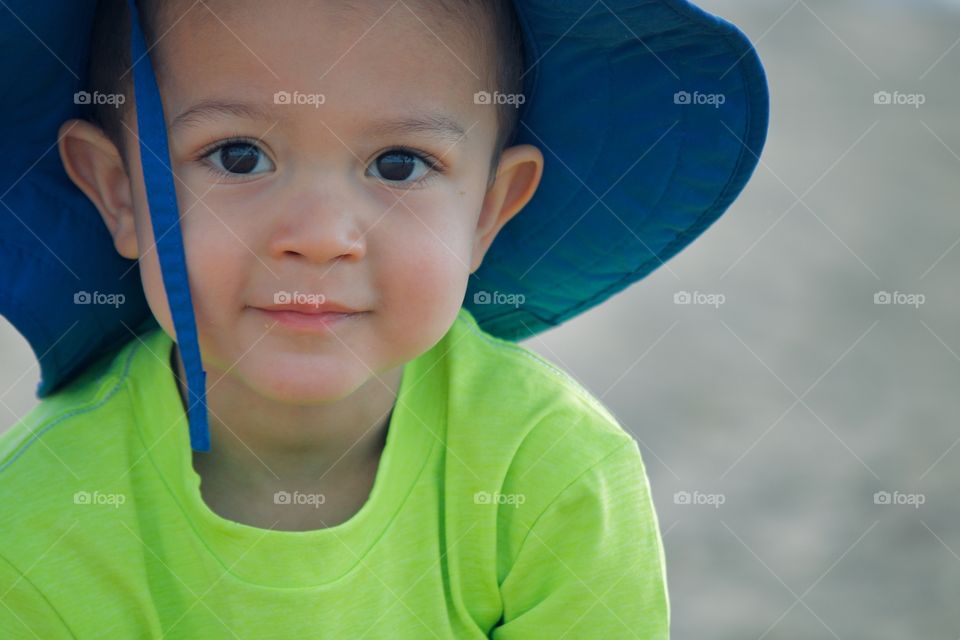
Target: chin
303, 389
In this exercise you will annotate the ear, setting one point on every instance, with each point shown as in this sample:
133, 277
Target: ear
518, 176
94, 164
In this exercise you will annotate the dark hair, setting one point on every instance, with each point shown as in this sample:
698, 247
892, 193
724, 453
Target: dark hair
109, 70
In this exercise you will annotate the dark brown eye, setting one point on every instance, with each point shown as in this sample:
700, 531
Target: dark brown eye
396, 165
399, 165
239, 158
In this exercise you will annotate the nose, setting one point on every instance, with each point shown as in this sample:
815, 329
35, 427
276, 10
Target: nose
319, 229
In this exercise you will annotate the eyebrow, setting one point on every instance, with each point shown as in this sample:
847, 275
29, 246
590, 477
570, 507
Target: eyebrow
438, 125
435, 124
208, 110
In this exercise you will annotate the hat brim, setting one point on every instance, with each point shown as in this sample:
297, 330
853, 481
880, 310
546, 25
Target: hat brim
651, 117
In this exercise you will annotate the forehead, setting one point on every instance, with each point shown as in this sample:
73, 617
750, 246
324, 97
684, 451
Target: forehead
375, 55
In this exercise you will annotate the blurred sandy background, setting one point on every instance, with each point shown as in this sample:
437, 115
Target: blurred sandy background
782, 412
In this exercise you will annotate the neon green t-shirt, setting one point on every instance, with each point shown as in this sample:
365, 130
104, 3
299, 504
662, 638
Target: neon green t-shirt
508, 503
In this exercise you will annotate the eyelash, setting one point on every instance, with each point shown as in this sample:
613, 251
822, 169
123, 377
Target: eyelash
436, 167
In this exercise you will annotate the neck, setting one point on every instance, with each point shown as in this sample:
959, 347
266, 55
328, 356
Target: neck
263, 443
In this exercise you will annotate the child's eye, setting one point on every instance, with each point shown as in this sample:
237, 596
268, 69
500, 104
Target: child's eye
398, 165
238, 158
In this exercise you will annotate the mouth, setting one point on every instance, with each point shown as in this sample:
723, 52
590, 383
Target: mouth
311, 321
310, 308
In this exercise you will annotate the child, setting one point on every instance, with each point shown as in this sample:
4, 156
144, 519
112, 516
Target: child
308, 417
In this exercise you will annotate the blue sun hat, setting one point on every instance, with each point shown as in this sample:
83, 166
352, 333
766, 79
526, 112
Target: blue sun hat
651, 116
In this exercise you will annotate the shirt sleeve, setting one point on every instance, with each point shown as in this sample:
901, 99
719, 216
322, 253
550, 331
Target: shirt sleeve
592, 564
25, 614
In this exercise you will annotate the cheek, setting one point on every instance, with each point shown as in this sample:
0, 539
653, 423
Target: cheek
217, 264
421, 291
423, 267
215, 260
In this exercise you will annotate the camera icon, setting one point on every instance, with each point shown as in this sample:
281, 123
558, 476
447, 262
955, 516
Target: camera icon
282, 297
81, 497
881, 297
81, 97
681, 497
681, 297
281, 497
881, 497
482, 97
481, 497
882, 97
81, 297
282, 97
681, 97
481, 297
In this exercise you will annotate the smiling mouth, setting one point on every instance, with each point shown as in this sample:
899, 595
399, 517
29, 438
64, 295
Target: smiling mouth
308, 321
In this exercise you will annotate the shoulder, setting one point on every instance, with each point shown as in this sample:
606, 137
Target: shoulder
503, 366
545, 438
578, 545
70, 440
529, 405
66, 493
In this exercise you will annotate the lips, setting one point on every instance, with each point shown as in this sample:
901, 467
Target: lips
310, 309
307, 319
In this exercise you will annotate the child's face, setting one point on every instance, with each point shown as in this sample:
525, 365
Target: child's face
310, 209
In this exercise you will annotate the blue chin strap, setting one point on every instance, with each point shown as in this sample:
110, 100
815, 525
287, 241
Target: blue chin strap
162, 200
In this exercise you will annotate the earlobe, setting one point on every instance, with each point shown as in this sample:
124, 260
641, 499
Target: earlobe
518, 176
94, 164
